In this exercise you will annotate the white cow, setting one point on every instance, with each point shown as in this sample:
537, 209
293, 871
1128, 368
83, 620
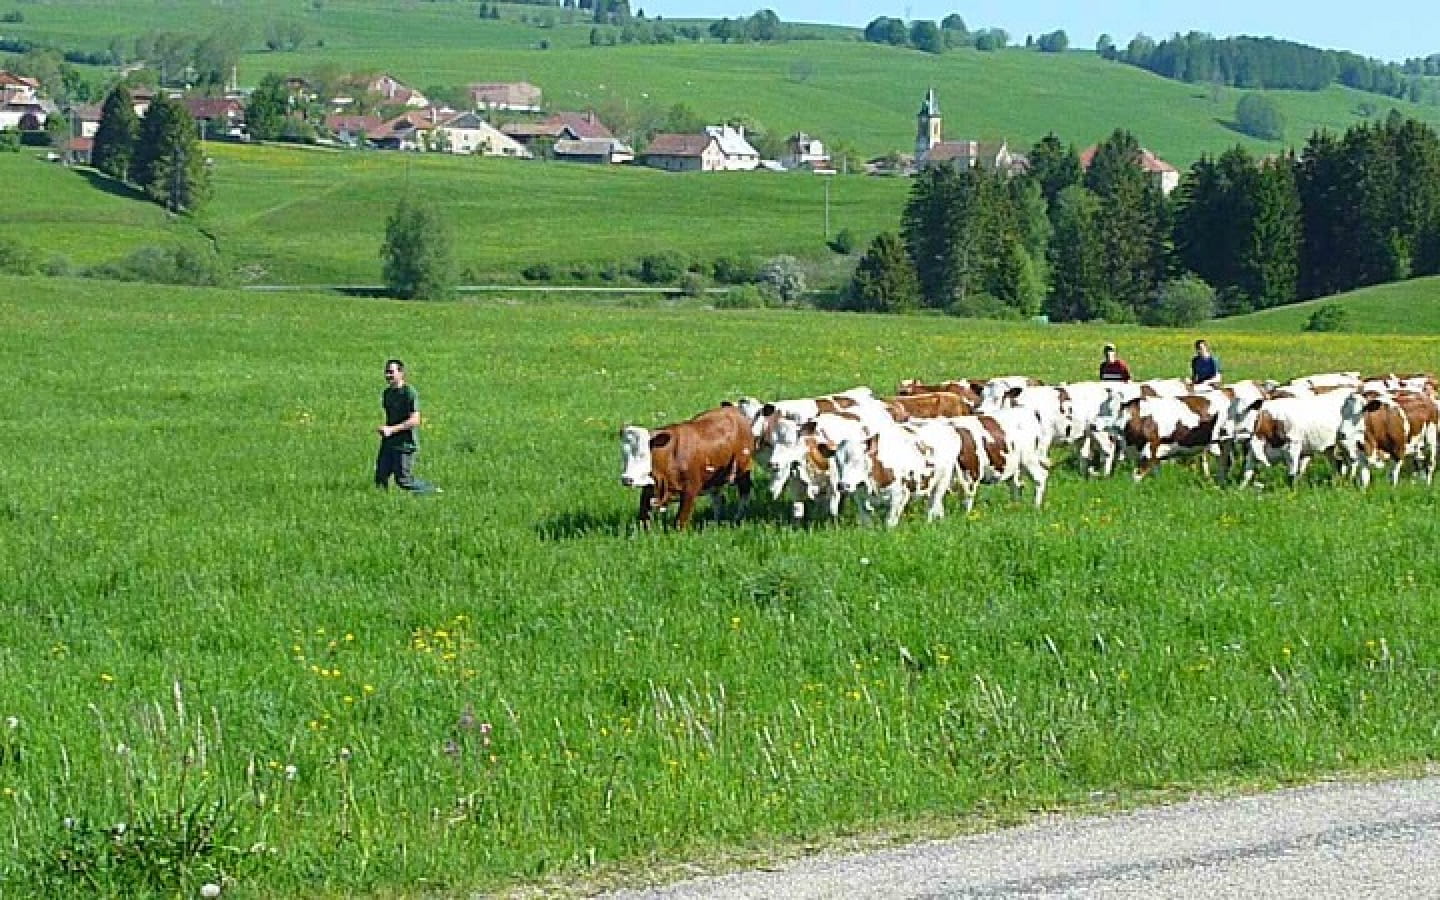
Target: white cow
914, 459
1042, 400
1004, 447
1291, 429
801, 459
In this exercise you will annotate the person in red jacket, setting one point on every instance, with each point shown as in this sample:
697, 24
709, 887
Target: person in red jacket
1112, 367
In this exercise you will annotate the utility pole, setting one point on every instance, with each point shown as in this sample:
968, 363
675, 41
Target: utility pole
827, 206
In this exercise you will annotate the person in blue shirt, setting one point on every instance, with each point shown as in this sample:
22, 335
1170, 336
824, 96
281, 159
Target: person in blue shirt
1204, 365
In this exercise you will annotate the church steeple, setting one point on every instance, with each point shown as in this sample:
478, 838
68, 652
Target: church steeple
928, 132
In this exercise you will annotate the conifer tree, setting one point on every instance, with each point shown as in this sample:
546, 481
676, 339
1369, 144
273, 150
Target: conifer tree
116, 136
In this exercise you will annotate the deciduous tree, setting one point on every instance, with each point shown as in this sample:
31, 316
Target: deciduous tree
417, 254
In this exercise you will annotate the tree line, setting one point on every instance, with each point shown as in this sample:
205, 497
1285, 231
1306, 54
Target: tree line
1239, 233
1263, 62
158, 153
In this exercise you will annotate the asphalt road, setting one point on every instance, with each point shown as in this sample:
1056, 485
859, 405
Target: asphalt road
1336, 840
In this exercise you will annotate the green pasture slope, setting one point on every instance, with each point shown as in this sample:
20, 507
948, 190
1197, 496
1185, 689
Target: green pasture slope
318, 217
83, 217
841, 90
311, 216
214, 620
1402, 307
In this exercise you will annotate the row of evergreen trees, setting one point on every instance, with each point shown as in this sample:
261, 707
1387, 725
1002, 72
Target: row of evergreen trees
160, 153
1350, 211
1251, 62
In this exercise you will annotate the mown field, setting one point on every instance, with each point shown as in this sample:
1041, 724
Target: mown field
216, 622
840, 90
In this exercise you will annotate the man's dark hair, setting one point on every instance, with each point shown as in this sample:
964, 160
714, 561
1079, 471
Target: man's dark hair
397, 363
1198, 344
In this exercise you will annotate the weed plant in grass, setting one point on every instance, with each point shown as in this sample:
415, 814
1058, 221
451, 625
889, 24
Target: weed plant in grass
293, 685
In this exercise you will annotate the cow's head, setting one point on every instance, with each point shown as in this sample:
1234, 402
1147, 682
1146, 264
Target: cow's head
787, 452
637, 464
854, 462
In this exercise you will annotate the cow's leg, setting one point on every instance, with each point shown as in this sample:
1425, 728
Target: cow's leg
1248, 473
898, 497
1041, 476
743, 486
1148, 461
687, 508
939, 487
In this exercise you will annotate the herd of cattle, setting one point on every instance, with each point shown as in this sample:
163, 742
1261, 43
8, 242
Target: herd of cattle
931, 439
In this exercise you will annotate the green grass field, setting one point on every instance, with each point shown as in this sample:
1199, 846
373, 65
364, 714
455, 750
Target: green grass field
215, 621
837, 89
1402, 307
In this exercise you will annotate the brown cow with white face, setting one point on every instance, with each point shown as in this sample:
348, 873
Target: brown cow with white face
686, 459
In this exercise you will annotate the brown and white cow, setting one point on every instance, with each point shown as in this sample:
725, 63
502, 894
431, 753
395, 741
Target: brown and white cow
686, 459
801, 460
860, 401
897, 463
1001, 448
1289, 429
1155, 429
933, 405
969, 389
1376, 424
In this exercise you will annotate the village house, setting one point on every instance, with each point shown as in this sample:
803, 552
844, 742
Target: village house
21, 105
1165, 176
467, 132
604, 151
351, 130
78, 150
85, 118
217, 116
804, 152
685, 153
560, 126
18, 89
394, 93
931, 148
517, 96
739, 155
408, 131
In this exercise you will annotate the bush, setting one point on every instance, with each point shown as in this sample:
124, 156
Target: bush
9, 140
582, 272
17, 258
180, 264
661, 268
1185, 301
744, 296
541, 271
1328, 317
783, 276
57, 266
1259, 116
692, 284
735, 270
844, 242
418, 255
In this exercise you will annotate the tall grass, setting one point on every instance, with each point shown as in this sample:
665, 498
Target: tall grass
291, 685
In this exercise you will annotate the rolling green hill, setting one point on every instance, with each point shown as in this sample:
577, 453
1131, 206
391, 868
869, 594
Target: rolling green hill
841, 90
1404, 307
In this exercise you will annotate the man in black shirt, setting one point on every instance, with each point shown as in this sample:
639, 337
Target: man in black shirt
398, 443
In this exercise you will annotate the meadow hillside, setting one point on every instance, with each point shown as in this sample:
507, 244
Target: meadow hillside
841, 90
1403, 307
307, 216
232, 661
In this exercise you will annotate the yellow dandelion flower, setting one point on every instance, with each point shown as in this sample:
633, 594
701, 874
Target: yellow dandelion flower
106, 677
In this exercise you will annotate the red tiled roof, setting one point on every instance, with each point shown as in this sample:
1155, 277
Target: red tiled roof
585, 126
23, 81
352, 123
679, 144
213, 107
1149, 162
81, 144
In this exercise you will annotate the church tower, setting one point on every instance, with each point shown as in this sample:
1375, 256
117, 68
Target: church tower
927, 131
